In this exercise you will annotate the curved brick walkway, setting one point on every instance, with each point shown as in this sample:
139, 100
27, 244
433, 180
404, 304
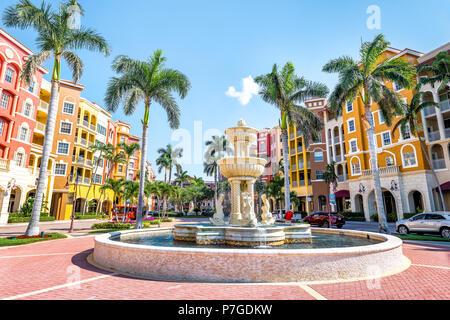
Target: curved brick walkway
58, 270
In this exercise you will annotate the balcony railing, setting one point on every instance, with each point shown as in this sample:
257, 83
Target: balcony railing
302, 183
85, 123
294, 184
439, 164
293, 167
434, 135
87, 180
336, 140
4, 164
92, 126
83, 141
89, 162
383, 171
292, 151
447, 133
338, 158
291, 136
80, 160
341, 178
429, 111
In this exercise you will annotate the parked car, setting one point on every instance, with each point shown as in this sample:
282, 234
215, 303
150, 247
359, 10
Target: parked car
427, 222
321, 219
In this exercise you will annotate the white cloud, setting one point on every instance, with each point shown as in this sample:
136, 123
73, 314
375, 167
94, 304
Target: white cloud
249, 88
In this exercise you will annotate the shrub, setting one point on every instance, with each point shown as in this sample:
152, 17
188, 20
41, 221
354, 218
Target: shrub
391, 217
18, 219
90, 216
112, 225
408, 215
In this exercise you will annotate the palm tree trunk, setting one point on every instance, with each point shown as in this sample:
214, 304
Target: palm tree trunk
33, 226
287, 191
215, 187
142, 177
382, 223
438, 186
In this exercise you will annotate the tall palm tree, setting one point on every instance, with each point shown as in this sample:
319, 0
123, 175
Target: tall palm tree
130, 193
439, 71
154, 188
274, 188
218, 146
286, 91
172, 156
130, 150
166, 190
260, 188
366, 79
55, 40
409, 123
146, 81
102, 149
331, 179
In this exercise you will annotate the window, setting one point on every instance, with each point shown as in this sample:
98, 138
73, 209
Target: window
351, 126
66, 128
356, 168
63, 148
386, 138
120, 168
131, 165
23, 134
68, 107
2, 125
319, 174
60, 169
353, 146
31, 86
409, 159
389, 161
407, 134
397, 87
28, 109
319, 139
101, 129
434, 217
4, 101
9, 75
98, 178
418, 217
122, 139
20, 159
349, 106
318, 156
380, 117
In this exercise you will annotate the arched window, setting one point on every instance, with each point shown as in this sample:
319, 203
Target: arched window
355, 166
24, 132
409, 157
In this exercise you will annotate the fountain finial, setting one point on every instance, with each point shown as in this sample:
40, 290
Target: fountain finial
242, 123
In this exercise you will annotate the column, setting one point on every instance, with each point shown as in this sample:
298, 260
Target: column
4, 215
333, 147
341, 143
424, 122
235, 201
439, 117
2, 75
11, 125
14, 107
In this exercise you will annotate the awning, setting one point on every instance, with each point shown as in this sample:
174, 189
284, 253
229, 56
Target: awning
445, 186
342, 194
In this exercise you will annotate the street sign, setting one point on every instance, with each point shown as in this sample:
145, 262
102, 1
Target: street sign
308, 199
332, 199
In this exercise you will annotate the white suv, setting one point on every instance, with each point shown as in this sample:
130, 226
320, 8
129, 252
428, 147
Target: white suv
427, 222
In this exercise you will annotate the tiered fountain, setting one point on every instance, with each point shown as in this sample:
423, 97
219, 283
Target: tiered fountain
243, 229
243, 249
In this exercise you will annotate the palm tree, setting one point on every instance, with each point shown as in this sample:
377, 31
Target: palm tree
440, 71
103, 149
366, 79
163, 163
182, 177
171, 155
274, 188
116, 186
55, 40
154, 188
218, 146
409, 123
130, 193
330, 178
146, 81
166, 190
287, 91
130, 150
210, 167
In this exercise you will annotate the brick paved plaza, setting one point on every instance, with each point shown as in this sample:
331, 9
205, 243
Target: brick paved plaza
59, 270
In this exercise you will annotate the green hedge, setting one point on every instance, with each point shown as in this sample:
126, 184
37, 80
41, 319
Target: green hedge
15, 219
392, 217
15, 242
87, 216
408, 215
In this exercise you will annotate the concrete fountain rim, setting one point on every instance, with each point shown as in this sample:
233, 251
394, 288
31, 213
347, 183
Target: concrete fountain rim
389, 243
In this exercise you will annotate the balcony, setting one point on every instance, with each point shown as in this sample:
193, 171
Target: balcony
83, 141
80, 160
336, 140
341, 178
86, 180
43, 106
382, 171
302, 183
4, 164
434, 136
447, 133
92, 127
292, 151
338, 158
445, 105
293, 167
40, 127
89, 163
294, 184
428, 111
438, 164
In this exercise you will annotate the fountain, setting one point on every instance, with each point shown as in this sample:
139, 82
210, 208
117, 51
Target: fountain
243, 228
243, 249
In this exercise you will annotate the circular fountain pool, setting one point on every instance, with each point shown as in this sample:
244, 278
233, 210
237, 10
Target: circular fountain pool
331, 255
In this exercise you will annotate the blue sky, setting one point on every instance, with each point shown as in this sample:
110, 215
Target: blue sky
219, 43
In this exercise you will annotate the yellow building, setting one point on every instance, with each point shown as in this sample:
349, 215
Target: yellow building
404, 171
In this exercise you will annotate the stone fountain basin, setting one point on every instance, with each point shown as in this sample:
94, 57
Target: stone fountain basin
242, 167
249, 265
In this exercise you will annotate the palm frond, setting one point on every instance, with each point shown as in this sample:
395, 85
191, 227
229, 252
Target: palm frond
87, 39
32, 64
74, 63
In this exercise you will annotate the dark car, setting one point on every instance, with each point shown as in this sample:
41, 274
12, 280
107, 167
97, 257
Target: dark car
322, 219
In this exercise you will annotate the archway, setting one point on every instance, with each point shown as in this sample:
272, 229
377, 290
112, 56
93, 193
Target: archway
79, 204
14, 200
359, 204
390, 206
415, 202
106, 207
92, 206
